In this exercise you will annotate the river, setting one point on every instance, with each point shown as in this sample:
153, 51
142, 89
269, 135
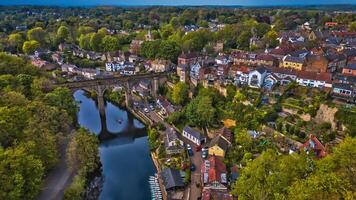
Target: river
124, 151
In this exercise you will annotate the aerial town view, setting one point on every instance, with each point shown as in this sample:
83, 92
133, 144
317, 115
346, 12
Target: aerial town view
177, 100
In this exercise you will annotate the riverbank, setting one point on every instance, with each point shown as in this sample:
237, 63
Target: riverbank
124, 152
159, 169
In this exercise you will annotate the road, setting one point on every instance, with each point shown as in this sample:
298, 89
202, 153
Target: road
58, 179
196, 159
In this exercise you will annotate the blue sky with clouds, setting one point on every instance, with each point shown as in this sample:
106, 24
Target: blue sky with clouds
172, 2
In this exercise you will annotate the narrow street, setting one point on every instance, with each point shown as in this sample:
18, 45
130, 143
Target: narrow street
196, 159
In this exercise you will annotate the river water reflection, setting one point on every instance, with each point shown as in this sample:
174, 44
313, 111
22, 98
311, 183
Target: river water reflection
124, 151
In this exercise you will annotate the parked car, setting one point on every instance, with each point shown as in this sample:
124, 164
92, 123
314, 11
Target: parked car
192, 167
152, 108
189, 149
188, 146
204, 153
146, 110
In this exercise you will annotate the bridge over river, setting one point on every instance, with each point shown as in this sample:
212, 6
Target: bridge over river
99, 86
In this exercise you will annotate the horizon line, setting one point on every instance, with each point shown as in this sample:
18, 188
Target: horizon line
181, 5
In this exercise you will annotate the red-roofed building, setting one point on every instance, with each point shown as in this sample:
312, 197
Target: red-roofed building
314, 79
280, 52
187, 58
343, 34
214, 174
209, 194
252, 59
313, 144
330, 24
242, 73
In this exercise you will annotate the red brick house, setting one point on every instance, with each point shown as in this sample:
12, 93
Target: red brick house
214, 173
349, 69
187, 58
314, 145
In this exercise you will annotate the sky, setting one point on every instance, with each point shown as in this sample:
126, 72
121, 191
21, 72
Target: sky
173, 2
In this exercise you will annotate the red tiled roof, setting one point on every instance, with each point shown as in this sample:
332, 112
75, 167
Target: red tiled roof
243, 69
217, 167
266, 57
314, 143
281, 70
343, 34
323, 76
330, 23
209, 194
280, 51
187, 55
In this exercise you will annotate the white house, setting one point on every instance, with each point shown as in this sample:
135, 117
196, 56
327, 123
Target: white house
222, 60
257, 77
172, 143
89, 73
194, 136
194, 73
117, 66
314, 79
279, 75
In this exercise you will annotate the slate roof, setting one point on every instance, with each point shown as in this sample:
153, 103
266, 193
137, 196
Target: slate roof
226, 133
343, 86
261, 70
209, 194
294, 59
171, 178
171, 134
193, 132
345, 78
220, 142
351, 66
299, 52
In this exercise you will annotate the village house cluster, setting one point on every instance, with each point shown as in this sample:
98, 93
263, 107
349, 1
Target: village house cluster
331, 66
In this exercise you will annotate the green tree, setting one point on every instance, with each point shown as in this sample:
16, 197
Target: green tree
153, 138
270, 38
21, 174
13, 120
83, 30
243, 40
243, 139
37, 34
269, 175
84, 41
30, 46
352, 26
168, 50
16, 40
83, 152
62, 34
180, 93
95, 41
109, 43
63, 99
200, 111
320, 186
76, 189
150, 49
